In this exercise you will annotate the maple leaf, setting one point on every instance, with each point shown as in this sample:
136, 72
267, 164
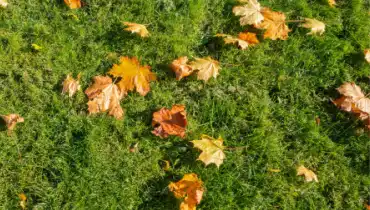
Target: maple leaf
11, 120
332, 3
136, 28
207, 68
367, 55
228, 39
212, 150
104, 96
170, 122
3, 3
251, 38
317, 27
250, 13
181, 68
190, 189
274, 23
132, 75
70, 85
73, 4
353, 100
309, 175
23, 201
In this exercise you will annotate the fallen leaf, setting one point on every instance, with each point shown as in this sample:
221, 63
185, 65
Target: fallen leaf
309, 175
181, 68
11, 120
318, 121
367, 205
36, 47
170, 122
207, 68
73, 4
274, 23
212, 150
251, 38
190, 189
166, 165
332, 3
70, 85
367, 55
250, 13
228, 39
23, 201
134, 148
136, 28
104, 96
317, 27
132, 75
3, 3
274, 170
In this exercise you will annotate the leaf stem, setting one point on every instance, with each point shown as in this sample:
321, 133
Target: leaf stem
294, 21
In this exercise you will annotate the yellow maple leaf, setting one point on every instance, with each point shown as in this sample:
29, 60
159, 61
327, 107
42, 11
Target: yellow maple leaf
73, 4
207, 68
332, 3
103, 96
317, 27
274, 23
181, 68
250, 13
367, 55
3, 3
309, 175
132, 75
212, 150
136, 28
23, 201
36, 47
189, 189
228, 39
70, 85
11, 120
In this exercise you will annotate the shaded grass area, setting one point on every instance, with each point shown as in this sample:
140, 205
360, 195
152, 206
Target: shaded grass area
266, 98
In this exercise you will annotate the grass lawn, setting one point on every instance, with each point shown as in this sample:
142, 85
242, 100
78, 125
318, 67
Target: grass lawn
266, 98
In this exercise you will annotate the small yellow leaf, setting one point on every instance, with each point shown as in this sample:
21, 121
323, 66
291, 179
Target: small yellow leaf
136, 28
317, 27
274, 170
309, 175
212, 150
3, 3
367, 55
70, 85
207, 68
250, 13
166, 165
73, 4
36, 47
23, 201
332, 3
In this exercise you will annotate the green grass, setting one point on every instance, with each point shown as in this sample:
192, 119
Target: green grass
265, 98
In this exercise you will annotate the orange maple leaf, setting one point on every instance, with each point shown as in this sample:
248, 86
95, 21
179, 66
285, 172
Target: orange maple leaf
170, 122
73, 4
103, 96
136, 28
132, 75
274, 23
249, 37
181, 68
367, 55
190, 189
11, 120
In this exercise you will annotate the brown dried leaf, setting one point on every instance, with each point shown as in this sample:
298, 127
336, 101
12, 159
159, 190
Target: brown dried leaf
104, 96
170, 122
137, 28
11, 120
274, 23
181, 68
190, 189
70, 85
309, 175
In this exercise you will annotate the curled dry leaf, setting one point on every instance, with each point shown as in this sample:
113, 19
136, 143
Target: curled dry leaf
228, 39
212, 150
332, 3
181, 68
73, 4
207, 68
250, 13
367, 55
103, 96
3, 3
136, 28
11, 120
317, 27
170, 122
70, 85
249, 37
309, 175
23, 201
190, 189
132, 75
274, 23
353, 100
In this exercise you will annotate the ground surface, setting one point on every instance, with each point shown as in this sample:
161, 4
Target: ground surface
266, 98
